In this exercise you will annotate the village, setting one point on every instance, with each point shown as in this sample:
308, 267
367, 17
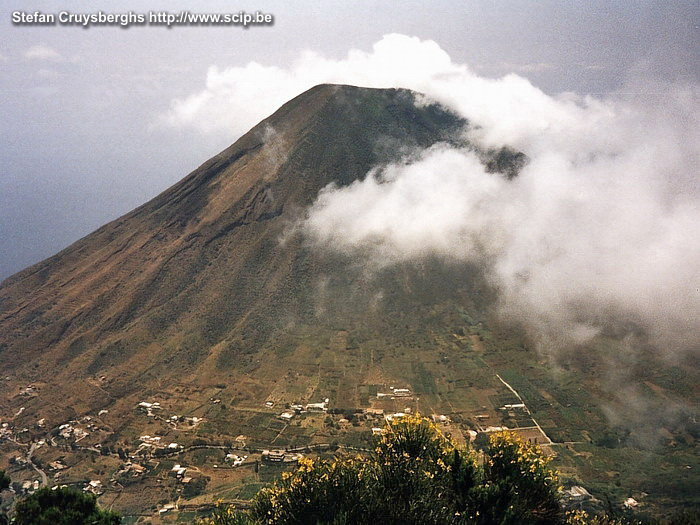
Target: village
188, 466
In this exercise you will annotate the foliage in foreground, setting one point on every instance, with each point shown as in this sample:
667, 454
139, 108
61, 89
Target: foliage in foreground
683, 517
415, 476
62, 506
5, 480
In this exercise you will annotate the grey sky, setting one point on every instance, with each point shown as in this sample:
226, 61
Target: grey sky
82, 138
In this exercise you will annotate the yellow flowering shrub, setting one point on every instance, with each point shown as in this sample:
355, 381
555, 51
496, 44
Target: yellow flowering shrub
416, 475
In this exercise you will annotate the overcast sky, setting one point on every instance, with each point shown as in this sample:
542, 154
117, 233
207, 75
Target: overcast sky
91, 120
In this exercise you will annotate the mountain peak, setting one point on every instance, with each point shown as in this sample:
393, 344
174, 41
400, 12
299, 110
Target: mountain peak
200, 268
193, 303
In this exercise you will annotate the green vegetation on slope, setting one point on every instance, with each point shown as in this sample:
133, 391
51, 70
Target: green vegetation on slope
415, 475
62, 506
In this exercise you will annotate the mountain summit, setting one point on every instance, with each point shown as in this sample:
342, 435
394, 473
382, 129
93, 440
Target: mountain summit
197, 279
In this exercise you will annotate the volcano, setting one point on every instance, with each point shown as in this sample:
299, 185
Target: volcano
199, 277
208, 303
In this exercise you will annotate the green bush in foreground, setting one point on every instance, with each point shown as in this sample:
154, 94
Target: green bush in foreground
414, 476
62, 506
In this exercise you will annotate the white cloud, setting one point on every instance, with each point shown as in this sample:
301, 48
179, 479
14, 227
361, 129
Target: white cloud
598, 230
42, 52
236, 98
600, 227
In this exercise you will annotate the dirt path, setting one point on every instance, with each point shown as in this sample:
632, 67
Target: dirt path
44, 477
549, 441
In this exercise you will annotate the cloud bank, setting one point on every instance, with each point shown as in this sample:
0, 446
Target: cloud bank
237, 98
509, 109
575, 244
597, 233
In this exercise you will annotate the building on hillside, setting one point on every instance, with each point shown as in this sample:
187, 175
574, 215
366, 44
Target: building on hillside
273, 456
178, 471
94, 487
317, 407
286, 416
401, 392
397, 415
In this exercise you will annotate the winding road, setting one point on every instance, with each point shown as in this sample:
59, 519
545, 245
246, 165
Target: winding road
44, 477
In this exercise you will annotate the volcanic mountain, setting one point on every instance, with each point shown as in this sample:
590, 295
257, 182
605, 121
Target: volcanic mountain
199, 280
209, 301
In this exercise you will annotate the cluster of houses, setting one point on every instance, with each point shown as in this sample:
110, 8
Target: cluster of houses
67, 431
6, 431
30, 486
235, 459
75, 430
296, 408
134, 469
190, 422
29, 391
94, 487
437, 418
155, 442
180, 472
149, 407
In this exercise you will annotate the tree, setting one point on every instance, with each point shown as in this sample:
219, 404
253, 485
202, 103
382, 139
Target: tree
224, 515
62, 506
518, 486
4, 481
195, 487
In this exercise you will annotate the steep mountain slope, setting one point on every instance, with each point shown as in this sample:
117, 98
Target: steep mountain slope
200, 271
207, 301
